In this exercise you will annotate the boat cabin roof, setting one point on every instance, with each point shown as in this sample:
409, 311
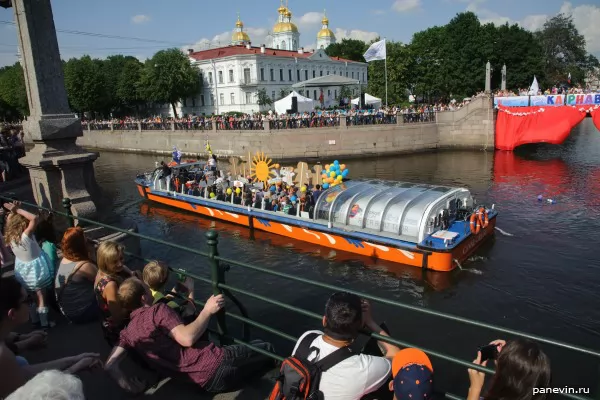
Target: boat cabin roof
395, 209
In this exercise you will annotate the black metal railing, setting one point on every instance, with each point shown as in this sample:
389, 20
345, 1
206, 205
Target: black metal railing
220, 265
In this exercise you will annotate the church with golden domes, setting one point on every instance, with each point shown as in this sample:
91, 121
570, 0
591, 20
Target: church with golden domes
233, 75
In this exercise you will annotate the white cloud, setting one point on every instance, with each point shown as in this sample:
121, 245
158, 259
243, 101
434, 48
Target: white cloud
402, 6
355, 34
140, 19
311, 18
377, 12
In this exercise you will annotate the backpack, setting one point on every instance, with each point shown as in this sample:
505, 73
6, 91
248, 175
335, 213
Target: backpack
299, 378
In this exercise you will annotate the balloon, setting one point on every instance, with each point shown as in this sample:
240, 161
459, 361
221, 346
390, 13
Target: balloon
229, 191
324, 176
343, 167
345, 173
325, 185
326, 166
293, 198
238, 191
332, 174
336, 162
303, 189
331, 180
339, 178
212, 195
276, 165
334, 184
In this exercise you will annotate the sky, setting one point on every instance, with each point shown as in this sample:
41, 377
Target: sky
146, 26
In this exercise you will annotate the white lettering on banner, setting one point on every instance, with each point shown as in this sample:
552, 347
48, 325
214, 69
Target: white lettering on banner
580, 99
474, 241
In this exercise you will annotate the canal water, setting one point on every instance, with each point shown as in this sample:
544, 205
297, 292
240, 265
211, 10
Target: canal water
540, 274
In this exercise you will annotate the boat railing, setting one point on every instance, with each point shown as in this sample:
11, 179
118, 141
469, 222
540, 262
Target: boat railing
220, 265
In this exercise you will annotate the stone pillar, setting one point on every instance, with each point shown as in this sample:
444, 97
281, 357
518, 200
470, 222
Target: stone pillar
503, 86
488, 77
139, 124
57, 166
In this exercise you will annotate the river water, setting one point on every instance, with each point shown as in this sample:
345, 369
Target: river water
540, 274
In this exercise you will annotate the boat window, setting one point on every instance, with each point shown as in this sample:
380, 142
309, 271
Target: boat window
327, 198
340, 208
395, 210
414, 212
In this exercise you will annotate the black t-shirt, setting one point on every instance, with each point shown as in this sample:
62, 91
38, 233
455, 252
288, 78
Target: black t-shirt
166, 170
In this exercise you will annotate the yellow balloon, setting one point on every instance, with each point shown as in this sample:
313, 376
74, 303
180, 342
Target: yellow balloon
238, 191
303, 189
339, 178
342, 167
229, 191
332, 174
333, 184
212, 195
276, 165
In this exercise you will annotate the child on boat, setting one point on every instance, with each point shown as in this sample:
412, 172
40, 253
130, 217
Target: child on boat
33, 267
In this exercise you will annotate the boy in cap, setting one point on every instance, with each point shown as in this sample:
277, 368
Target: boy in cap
413, 375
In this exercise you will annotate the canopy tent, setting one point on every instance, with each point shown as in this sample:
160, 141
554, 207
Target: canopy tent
304, 103
371, 100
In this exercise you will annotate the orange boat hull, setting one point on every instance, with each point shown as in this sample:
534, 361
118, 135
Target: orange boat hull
443, 261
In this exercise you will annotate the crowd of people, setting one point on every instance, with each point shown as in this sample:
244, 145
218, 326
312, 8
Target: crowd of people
150, 316
11, 149
554, 90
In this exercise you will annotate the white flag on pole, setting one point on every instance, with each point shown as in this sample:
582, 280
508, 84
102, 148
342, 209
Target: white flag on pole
535, 87
377, 51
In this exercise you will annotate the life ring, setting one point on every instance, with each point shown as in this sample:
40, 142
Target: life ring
479, 219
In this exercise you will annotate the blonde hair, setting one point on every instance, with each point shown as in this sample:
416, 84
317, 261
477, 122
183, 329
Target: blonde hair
130, 294
15, 227
155, 274
108, 257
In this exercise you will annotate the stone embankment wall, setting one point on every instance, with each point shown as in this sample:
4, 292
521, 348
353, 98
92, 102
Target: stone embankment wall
471, 127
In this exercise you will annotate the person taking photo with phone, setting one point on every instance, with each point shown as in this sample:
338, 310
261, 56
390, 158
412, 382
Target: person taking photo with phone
520, 366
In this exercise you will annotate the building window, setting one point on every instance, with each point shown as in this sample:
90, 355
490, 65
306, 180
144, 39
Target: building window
185, 102
328, 73
230, 76
315, 94
346, 74
290, 75
273, 95
193, 102
210, 78
272, 75
248, 98
281, 75
212, 99
335, 93
262, 74
352, 74
247, 78
220, 76
232, 98
363, 79
314, 74
306, 75
221, 98
201, 77
202, 100
329, 93
298, 75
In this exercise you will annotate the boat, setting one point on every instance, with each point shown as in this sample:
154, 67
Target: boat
429, 226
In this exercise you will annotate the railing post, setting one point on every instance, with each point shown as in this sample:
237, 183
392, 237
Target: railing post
67, 205
217, 277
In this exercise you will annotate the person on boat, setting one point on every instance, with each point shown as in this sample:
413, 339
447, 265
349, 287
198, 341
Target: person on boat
521, 366
360, 374
176, 155
16, 371
74, 283
158, 335
166, 173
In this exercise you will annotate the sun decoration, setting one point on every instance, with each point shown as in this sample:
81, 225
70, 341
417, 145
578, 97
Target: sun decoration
261, 168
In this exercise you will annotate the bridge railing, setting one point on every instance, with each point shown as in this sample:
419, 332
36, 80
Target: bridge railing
219, 265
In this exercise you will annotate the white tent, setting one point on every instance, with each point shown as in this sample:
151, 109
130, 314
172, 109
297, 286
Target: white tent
304, 103
371, 100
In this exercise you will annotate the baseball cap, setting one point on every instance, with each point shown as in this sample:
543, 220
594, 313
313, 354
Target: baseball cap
413, 375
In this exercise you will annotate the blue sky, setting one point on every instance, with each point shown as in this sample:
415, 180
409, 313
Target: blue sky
200, 24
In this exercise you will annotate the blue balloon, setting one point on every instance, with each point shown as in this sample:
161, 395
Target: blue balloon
345, 173
326, 186
336, 163
293, 198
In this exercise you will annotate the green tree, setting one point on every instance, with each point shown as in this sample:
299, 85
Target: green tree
563, 49
428, 56
13, 92
112, 68
168, 77
86, 85
263, 98
350, 49
398, 67
128, 91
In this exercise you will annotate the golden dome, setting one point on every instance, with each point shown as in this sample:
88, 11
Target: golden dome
240, 37
239, 23
325, 33
325, 21
288, 14
282, 9
281, 27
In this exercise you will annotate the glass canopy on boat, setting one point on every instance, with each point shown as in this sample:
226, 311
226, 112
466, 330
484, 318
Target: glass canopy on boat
397, 209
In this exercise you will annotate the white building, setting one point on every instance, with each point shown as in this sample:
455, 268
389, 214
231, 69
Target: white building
592, 79
232, 76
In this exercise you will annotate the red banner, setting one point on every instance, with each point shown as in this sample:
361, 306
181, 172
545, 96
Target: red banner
521, 125
596, 117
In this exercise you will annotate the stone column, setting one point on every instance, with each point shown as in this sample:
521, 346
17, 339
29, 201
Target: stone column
57, 166
488, 77
503, 86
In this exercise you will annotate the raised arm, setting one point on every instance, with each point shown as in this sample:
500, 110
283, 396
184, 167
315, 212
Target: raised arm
15, 208
388, 349
187, 335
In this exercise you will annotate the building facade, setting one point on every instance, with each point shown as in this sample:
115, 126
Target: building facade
233, 76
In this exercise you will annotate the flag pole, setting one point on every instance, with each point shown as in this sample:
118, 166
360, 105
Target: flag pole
386, 79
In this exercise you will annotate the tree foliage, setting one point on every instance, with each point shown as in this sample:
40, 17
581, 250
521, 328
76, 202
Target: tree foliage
168, 78
263, 98
86, 85
350, 49
13, 94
